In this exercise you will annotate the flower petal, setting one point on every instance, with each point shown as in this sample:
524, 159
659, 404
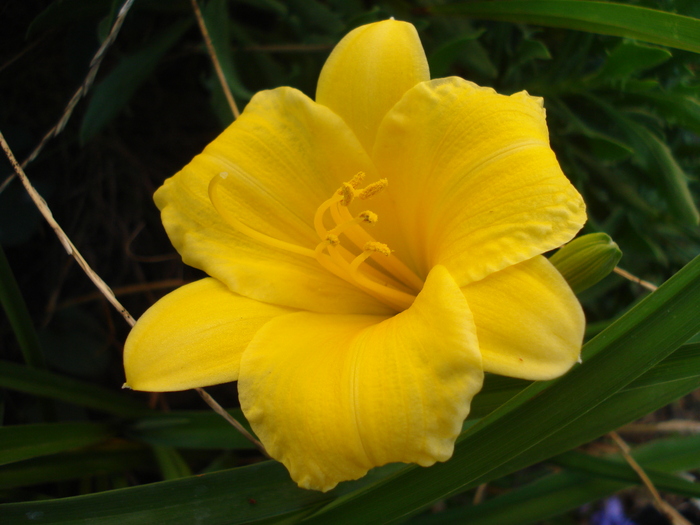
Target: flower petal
332, 396
475, 185
529, 322
369, 71
193, 337
284, 156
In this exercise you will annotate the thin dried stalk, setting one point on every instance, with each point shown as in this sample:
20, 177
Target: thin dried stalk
635, 279
228, 417
215, 59
46, 212
65, 241
674, 426
480, 494
101, 285
667, 510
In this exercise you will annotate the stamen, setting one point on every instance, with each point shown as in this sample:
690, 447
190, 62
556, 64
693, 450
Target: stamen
215, 198
369, 216
391, 296
377, 247
348, 193
365, 216
320, 212
357, 179
393, 265
373, 189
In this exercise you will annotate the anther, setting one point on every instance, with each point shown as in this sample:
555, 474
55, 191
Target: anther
370, 191
347, 190
378, 247
369, 216
333, 240
357, 179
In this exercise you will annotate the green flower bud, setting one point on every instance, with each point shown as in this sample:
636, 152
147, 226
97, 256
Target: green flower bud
586, 260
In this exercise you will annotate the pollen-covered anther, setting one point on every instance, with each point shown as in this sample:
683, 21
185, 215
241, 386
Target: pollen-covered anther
369, 216
332, 239
378, 247
373, 189
357, 179
347, 190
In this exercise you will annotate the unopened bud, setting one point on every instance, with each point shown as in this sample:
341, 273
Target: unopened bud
587, 260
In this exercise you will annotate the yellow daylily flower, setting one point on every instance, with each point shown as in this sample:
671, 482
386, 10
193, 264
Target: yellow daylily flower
371, 254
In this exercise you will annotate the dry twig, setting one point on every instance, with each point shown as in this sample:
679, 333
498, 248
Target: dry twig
215, 59
674, 426
46, 212
65, 241
220, 410
635, 279
101, 285
667, 510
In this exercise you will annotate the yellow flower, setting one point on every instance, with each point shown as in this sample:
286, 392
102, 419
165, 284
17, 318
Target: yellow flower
371, 254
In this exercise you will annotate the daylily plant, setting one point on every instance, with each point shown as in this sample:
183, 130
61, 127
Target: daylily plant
370, 254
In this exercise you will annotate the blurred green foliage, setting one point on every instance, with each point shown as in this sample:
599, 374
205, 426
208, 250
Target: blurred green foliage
624, 119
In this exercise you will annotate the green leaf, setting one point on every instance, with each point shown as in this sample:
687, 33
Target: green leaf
674, 179
545, 498
555, 494
629, 58
671, 179
114, 92
16, 310
443, 57
117, 456
29, 441
189, 429
620, 471
257, 493
536, 424
171, 463
607, 18
531, 49
604, 146
496, 391
111, 507
677, 108
47, 384
684, 363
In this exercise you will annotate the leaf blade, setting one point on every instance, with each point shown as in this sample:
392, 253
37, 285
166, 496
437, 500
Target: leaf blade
649, 25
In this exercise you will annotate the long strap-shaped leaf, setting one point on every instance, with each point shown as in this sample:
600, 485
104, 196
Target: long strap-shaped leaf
580, 406
607, 18
546, 418
555, 494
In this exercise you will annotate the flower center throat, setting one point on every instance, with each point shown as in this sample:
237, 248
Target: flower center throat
389, 280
